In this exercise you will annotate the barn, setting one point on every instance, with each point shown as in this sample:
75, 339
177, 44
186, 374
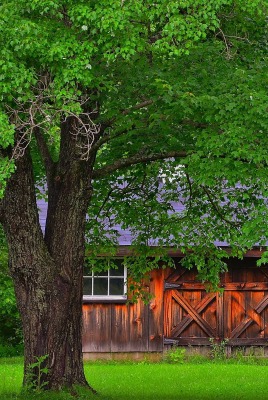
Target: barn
181, 311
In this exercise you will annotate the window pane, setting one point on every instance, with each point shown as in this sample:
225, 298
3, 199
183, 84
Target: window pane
100, 286
117, 272
102, 273
87, 289
117, 286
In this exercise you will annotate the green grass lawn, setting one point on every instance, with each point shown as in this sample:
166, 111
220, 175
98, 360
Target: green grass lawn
115, 381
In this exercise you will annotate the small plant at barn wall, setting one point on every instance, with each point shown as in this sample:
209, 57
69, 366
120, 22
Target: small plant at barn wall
176, 355
218, 349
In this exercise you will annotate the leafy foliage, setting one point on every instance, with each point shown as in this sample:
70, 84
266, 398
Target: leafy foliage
148, 117
36, 375
10, 328
185, 78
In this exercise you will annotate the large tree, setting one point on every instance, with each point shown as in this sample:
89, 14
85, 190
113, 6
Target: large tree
94, 94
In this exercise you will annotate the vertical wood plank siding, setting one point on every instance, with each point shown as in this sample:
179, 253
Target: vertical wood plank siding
126, 328
156, 320
184, 313
239, 315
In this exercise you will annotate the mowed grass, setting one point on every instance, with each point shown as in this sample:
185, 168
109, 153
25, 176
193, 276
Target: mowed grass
115, 381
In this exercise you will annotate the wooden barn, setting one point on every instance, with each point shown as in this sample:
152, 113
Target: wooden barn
181, 312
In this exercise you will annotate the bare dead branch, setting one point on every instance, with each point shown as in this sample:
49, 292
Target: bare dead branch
228, 45
242, 38
40, 114
87, 131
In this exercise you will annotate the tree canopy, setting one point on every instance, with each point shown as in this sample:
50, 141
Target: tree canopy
99, 100
185, 79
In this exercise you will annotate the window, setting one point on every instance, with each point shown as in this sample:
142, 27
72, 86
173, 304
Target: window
105, 285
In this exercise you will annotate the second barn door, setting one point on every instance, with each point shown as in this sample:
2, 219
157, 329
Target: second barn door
193, 316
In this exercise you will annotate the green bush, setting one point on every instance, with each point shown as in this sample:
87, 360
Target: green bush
218, 350
9, 350
10, 327
176, 355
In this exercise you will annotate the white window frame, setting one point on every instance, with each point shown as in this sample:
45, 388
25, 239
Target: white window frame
106, 296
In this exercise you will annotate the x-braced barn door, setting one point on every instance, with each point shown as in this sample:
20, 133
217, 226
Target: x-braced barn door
192, 316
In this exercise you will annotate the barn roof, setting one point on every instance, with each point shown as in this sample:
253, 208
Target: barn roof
124, 235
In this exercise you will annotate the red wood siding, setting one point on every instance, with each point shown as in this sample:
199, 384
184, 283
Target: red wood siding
184, 313
126, 328
192, 316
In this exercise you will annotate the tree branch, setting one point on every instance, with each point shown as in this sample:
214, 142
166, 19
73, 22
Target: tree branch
107, 138
217, 208
194, 123
137, 107
109, 123
126, 111
137, 159
104, 139
1, 211
44, 151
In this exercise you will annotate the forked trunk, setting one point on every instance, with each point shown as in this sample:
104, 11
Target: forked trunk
48, 270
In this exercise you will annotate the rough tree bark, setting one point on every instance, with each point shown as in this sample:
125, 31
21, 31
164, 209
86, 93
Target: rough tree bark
48, 270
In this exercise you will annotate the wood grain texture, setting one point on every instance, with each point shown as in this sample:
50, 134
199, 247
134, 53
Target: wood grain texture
239, 314
186, 315
97, 328
156, 327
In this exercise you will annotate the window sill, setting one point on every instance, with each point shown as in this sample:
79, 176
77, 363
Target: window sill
103, 300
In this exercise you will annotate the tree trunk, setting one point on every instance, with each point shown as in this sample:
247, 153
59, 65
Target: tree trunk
52, 319
48, 271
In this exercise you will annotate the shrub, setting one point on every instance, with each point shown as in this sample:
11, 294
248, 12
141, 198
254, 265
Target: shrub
218, 350
10, 327
8, 350
176, 355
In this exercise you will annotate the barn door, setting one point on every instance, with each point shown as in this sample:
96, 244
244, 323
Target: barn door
245, 314
194, 317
